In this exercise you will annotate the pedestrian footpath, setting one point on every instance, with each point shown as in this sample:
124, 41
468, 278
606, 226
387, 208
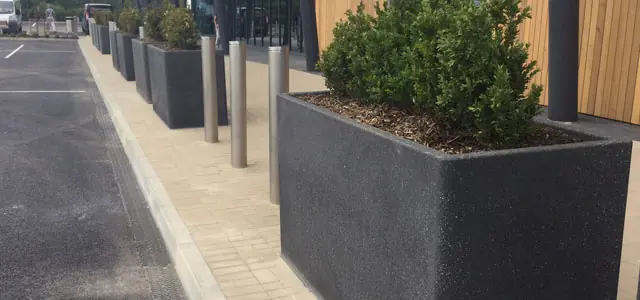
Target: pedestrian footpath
218, 216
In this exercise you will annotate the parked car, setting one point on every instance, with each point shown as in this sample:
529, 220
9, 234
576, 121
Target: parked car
10, 17
89, 11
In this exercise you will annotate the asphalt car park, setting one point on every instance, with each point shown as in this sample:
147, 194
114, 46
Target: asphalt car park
73, 223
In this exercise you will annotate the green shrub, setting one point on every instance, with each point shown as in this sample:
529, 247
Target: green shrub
457, 61
471, 71
337, 62
103, 17
129, 20
153, 24
179, 29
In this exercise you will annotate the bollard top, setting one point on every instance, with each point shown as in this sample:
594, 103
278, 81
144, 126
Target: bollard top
235, 43
206, 37
278, 48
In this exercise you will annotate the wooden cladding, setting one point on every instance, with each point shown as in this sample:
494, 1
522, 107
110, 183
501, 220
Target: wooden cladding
329, 12
609, 80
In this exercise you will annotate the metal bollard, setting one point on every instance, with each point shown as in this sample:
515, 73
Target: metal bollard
278, 83
210, 89
69, 25
238, 80
141, 32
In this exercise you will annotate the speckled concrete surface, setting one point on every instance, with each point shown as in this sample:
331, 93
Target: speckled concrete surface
72, 222
513, 224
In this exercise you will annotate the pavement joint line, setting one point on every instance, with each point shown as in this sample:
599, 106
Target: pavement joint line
197, 279
14, 52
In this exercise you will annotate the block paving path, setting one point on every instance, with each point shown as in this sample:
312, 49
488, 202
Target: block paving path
227, 211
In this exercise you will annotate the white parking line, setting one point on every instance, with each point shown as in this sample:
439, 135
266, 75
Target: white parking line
71, 91
42, 51
14, 51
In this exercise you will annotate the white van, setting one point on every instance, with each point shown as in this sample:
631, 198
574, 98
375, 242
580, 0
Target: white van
10, 18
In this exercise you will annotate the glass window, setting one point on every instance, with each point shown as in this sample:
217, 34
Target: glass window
6, 7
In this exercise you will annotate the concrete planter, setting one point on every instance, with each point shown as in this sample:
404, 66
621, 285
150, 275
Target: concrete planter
176, 86
141, 68
125, 56
103, 39
369, 215
113, 41
94, 35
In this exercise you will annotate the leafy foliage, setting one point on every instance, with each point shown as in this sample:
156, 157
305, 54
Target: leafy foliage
129, 20
458, 61
103, 17
153, 24
179, 29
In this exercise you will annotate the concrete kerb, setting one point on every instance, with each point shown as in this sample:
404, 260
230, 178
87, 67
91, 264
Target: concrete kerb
194, 273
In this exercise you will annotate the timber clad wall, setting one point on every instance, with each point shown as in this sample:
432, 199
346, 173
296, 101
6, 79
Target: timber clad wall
329, 12
609, 83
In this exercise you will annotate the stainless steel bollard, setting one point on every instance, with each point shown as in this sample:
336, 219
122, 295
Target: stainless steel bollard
278, 83
141, 32
210, 89
238, 80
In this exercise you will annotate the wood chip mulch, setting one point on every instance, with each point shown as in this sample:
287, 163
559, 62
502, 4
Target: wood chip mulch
424, 130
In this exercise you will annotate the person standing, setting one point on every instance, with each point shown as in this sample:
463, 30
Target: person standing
51, 20
217, 28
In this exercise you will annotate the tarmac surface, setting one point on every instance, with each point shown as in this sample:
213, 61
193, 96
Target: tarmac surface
73, 223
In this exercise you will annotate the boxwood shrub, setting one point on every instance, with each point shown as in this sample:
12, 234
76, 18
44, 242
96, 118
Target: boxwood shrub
459, 61
179, 29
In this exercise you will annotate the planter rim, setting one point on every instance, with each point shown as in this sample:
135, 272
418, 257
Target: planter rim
153, 45
600, 141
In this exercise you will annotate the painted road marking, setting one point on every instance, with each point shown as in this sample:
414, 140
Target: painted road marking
14, 51
71, 91
41, 51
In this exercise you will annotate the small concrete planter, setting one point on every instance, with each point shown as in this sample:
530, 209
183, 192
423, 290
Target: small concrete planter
125, 56
94, 35
369, 215
113, 41
141, 68
103, 39
176, 86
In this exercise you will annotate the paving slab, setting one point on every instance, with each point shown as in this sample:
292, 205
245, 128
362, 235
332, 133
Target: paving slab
223, 232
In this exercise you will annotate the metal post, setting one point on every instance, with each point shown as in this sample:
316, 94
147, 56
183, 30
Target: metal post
238, 80
209, 88
278, 83
563, 60
309, 32
69, 23
141, 32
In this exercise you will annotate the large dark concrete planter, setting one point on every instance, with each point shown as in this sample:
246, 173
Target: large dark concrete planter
369, 215
103, 36
113, 41
125, 56
141, 68
176, 86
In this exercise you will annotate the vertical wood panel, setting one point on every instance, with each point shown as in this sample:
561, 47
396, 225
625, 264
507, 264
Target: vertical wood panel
585, 38
609, 61
596, 57
607, 64
628, 91
619, 58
